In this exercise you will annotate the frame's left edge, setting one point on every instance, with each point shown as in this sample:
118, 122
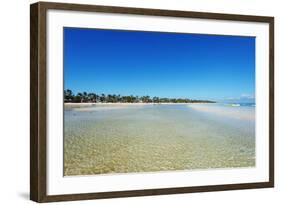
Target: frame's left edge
34, 102
37, 103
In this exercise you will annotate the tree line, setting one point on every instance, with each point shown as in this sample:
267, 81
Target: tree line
69, 96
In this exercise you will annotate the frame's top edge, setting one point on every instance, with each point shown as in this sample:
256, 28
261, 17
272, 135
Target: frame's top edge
153, 12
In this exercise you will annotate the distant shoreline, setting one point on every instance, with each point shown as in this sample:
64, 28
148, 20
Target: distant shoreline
138, 103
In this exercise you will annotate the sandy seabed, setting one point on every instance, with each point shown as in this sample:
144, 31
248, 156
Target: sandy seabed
102, 139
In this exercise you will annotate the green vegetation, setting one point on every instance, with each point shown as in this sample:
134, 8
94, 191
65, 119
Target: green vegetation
69, 96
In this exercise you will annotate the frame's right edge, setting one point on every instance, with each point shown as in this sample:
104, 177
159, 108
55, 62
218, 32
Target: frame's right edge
271, 102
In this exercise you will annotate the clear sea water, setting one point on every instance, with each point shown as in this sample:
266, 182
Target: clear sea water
107, 139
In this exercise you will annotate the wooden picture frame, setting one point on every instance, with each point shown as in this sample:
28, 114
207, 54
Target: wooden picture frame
38, 102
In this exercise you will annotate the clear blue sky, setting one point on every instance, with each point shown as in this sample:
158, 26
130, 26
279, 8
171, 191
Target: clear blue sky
159, 64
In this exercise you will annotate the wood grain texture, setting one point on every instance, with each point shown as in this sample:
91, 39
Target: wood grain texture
37, 103
38, 99
271, 101
34, 103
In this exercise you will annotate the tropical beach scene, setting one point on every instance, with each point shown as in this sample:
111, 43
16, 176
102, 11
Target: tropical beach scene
141, 101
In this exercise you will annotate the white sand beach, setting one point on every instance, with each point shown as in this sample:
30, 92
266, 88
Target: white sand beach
228, 111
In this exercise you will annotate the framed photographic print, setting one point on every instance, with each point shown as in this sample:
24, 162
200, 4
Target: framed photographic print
134, 102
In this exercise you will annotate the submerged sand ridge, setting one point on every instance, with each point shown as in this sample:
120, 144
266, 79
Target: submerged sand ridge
152, 138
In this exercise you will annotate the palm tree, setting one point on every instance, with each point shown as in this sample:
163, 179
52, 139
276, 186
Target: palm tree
102, 98
68, 95
92, 97
155, 99
77, 98
119, 99
146, 99
97, 98
85, 97
109, 98
114, 98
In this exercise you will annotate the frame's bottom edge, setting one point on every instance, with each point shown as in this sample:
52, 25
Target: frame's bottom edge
151, 192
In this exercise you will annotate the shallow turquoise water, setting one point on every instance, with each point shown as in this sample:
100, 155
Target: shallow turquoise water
145, 138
